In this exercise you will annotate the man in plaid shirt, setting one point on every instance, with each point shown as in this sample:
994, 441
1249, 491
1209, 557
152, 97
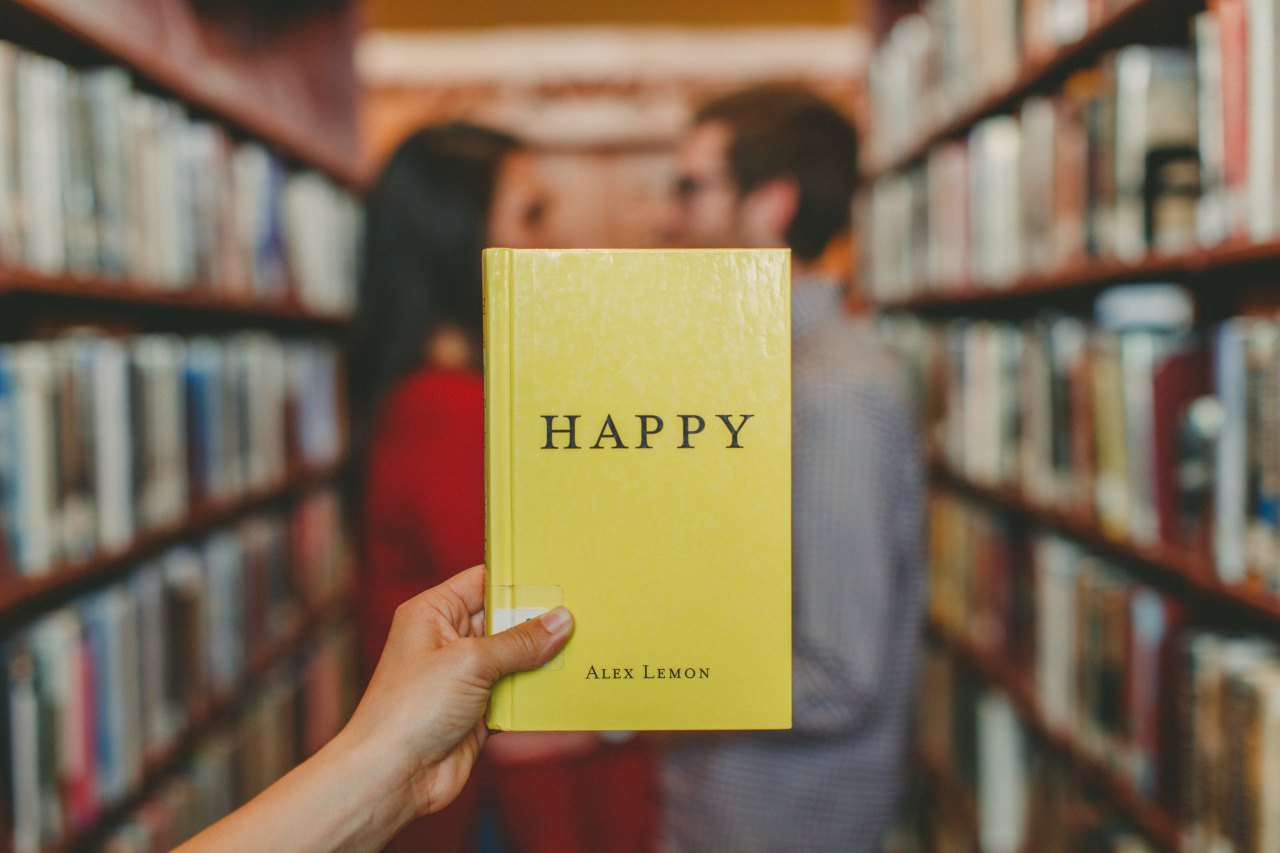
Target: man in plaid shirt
775, 167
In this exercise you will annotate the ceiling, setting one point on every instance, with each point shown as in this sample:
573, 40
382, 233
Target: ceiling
455, 14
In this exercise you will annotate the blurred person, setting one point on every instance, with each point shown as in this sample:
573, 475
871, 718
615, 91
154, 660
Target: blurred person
418, 418
412, 741
775, 166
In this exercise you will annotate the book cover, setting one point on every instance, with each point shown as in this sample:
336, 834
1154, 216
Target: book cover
638, 471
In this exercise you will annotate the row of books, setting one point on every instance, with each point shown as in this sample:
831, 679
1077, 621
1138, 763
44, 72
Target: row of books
1091, 640
1107, 168
1190, 716
1135, 421
1025, 797
98, 178
289, 717
1239, 87
954, 53
103, 439
1230, 743
97, 688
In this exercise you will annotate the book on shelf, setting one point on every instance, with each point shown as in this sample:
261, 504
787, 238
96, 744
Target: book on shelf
638, 471
946, 59
1246, 481
103, 439
1093, 644
1137, 423
105, 181
1155, 150
283, 721
1106, 168
1191, 717
1230, 709
1022, 790
161, 542
109, 683
1001, 794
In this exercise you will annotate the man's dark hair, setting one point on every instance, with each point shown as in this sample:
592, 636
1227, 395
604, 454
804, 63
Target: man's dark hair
780, 131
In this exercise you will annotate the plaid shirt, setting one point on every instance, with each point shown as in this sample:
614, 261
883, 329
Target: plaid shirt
832, 782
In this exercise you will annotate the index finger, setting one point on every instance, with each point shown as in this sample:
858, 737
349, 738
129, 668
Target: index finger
469, 587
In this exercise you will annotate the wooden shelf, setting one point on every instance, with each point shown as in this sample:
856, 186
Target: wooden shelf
21, 595
1079, 276
141, 45
1151, 819
219, 711
1182, 571
1136, 20
1200, 267
201, 301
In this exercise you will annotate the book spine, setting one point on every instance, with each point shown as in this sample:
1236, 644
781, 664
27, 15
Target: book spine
25, 769
1234, 48
1133, 73
33, 368
1261, 16
11, 240
1137, 360
1230, 474
1001, 766
498, 545
10, 471
1211, 214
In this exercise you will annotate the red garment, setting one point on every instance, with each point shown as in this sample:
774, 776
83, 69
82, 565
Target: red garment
422, 521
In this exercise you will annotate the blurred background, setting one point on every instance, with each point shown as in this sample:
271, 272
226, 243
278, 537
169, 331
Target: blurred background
602, 92
217, 276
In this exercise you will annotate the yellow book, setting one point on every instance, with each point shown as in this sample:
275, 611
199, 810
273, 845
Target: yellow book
638, 471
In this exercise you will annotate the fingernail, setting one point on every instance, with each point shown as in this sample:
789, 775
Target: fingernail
558, 621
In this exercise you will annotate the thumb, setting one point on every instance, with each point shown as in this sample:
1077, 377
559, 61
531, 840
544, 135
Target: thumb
527, 645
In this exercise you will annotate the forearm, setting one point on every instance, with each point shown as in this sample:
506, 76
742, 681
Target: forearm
413, 739
346, 797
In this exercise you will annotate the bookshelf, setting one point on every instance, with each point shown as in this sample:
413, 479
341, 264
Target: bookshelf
1155, 822
21, 596
1183, 571
94, 293
1123, 24
165, 43
260, 261
220, 711
919, 184
1203, 268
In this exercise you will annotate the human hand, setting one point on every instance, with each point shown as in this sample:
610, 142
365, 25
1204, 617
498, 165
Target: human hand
412, 741
425, 704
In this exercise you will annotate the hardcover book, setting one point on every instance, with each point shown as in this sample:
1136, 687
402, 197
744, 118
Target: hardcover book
638, 471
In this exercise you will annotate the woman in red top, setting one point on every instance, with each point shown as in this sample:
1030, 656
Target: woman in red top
418, 424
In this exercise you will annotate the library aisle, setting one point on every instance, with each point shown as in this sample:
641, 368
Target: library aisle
1071, 212
179, 236
1066, 229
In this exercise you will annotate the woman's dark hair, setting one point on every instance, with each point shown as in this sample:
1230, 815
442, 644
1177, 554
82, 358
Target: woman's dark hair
426, 222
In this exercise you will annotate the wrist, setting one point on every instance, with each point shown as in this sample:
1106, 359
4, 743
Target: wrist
381, 777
